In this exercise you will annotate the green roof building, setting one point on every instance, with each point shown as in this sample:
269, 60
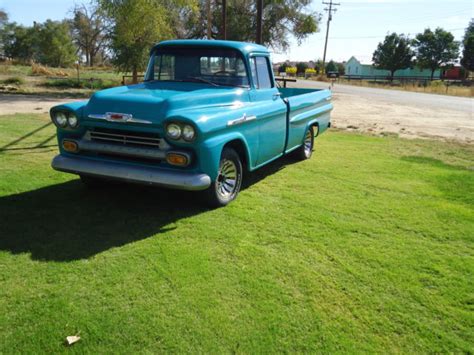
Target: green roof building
354, 67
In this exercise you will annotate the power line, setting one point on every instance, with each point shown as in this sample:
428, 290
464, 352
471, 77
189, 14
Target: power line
330, 10
382, 36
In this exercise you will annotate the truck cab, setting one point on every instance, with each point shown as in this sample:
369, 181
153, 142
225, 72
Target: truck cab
207, 112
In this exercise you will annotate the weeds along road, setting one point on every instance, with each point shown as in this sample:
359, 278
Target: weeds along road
409, 114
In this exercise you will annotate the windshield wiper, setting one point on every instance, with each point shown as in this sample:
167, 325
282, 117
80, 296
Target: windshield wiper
202, 80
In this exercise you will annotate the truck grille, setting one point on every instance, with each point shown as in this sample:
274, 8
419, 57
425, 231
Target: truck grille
125, 138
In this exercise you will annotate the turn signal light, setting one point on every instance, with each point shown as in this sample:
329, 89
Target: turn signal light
70, 146
177, 159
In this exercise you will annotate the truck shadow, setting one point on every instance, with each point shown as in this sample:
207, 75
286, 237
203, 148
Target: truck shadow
66, 222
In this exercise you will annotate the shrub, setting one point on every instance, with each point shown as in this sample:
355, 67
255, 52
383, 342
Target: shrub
310, 71
14, 80
37, 69
291, 70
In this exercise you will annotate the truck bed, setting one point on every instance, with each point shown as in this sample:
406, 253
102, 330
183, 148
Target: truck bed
289, 92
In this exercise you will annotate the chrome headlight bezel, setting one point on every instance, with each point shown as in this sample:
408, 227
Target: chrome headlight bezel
65, 119
72, 120
188, 133
180, 131
60, 119
173, 131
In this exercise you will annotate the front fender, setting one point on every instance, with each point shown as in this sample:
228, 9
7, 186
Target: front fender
76, 107
210, 150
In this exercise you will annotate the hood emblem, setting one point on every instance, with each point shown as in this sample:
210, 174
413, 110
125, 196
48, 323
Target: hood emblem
118, 117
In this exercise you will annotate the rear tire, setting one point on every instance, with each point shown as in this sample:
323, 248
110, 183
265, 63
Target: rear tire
306, 150
227, 185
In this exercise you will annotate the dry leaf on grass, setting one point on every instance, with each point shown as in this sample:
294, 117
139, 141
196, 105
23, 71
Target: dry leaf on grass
72, 339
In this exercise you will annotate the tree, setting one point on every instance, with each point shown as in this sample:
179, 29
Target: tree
341, 69
282, 67
435, 49
19, 42
393, 54
301, 67
3, 18
55, 47
281, 19
331, 66
135, 25
467, 59
88, 29
3, 23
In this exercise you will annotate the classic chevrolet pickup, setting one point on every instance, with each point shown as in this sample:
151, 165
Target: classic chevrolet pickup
207, 112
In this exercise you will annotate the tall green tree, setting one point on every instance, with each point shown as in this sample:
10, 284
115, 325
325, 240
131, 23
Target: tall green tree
55, 46
3, 22
331, 66
393, 54
435, 49
19, 42
89, 31
467, 59
135, 25
281, 20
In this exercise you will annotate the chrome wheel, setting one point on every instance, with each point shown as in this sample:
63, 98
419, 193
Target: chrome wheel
226, 186
227, 179
308, 143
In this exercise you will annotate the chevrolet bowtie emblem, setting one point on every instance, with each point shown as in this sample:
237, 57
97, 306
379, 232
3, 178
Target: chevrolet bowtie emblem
118, 117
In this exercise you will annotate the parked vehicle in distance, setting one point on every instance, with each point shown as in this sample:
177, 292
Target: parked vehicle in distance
207, 112
332, 74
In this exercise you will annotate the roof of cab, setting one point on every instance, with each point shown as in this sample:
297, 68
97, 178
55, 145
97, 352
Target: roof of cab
244, 47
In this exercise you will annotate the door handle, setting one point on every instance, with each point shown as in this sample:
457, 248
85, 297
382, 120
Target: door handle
276, 95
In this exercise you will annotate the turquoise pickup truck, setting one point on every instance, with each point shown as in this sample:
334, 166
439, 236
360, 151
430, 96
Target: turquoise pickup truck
206, 113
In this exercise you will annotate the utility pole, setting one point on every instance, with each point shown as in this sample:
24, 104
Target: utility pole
329, 10
224, 19
259, 21
209, 19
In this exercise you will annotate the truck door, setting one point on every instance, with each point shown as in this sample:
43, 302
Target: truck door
270, 110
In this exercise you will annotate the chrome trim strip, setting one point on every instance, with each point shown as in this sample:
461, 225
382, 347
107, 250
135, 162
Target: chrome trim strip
127, 118
132, 173
241, 120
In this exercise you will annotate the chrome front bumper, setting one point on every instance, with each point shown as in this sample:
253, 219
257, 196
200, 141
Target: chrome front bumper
137, 174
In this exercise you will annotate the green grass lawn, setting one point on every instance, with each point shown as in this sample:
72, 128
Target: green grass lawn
367, 247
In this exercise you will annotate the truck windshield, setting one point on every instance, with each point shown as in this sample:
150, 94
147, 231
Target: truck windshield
217, 67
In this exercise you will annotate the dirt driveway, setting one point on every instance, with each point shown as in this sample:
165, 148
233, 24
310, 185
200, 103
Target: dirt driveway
11, 104
408, 114
377, 111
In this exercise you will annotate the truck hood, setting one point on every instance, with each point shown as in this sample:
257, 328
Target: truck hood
158, 100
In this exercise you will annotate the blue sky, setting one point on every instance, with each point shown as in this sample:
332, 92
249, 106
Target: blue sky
356, 28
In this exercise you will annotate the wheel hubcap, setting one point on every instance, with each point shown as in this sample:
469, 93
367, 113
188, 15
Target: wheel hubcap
227, 179
308, 144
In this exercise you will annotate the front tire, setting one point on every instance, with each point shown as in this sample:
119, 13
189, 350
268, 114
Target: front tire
227, 185
306, 150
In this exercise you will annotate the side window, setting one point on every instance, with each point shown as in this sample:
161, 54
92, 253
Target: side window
261, 73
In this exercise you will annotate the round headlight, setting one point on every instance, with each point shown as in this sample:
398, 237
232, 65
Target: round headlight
61, 119
72, 121
173, 131
188, 132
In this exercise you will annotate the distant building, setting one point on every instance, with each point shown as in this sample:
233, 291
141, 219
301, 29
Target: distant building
355, 67
454, 73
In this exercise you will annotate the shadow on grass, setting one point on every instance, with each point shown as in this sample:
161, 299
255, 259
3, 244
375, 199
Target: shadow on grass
67, 222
